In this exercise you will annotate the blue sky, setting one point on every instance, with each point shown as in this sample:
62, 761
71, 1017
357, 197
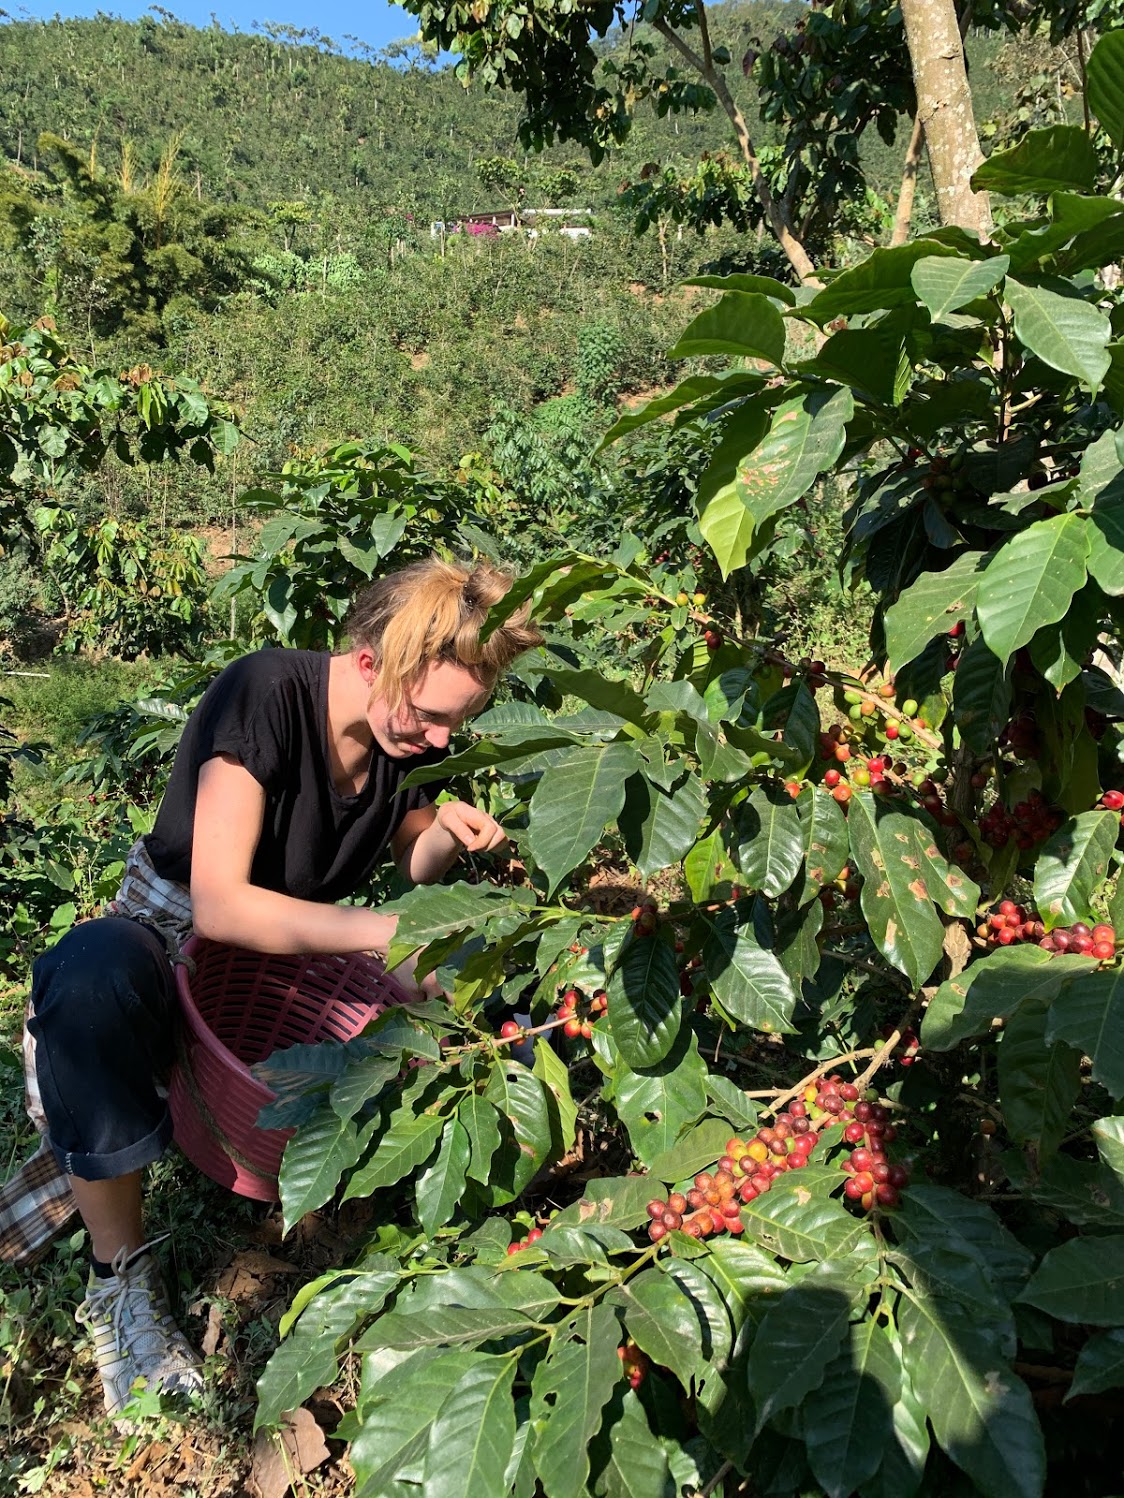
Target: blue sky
373, 21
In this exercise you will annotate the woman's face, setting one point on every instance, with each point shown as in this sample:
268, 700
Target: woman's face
430, 712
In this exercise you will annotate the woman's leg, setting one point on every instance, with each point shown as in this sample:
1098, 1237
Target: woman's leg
103, 1017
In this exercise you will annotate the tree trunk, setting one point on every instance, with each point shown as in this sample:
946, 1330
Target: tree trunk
944, 107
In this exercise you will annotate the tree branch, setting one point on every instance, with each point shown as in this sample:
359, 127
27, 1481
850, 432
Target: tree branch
797, 255
903, 214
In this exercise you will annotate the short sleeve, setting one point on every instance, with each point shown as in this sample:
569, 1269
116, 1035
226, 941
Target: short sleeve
247, 713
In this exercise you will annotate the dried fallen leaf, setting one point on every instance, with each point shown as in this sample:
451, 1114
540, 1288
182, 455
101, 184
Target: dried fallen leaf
281, 1456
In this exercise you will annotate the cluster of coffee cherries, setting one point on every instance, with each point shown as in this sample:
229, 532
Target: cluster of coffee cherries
747, 1170
1010, 923
645, 918
634, 1363
579, 1017
532, 1237
872, 1180
1029, 822
1096, 941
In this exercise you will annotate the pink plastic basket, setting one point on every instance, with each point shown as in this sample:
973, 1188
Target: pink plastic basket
239, 1007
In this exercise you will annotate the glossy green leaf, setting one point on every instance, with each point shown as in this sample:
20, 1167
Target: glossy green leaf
396, 1424
945, 285
552, 1072
1081, 1281
981, 1413
995, 987
738, 281
363, 1079
471, 1440
1038, 1083
306, 1358
1044, 161
896, 898
428, 913
666, 823
748, 980
1109, 1136
645, 1007
726, 524
457, 1326
441, 1186
408, 1143
805, 1225
570, 1389
1066, 332
481, 1124
931, 605
796, 1342
1030, 582
657, 1103
1104, 85
521, 1099
743, 323
637, 1466
573, 804
731, 383
907, 1447
950, 1219
696, 1150
1072, 866
826, 841
314, 1160
1084, 1193
1100, 1364
748, 1279
1089, 1014
662, 1320
769, 841
981, 697
805, 438
610, 1201
848, 1424
882, 279
874, 361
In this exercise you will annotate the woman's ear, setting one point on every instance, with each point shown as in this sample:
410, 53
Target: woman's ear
366, 664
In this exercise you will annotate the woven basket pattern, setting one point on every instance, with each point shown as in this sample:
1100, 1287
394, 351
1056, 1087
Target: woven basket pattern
238, 1008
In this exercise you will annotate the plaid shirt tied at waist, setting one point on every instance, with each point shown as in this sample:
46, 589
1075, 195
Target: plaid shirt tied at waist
36, 1204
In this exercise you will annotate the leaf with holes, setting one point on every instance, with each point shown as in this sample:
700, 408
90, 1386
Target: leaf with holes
523, 1102
657, 1103
981, 1414
569, 1391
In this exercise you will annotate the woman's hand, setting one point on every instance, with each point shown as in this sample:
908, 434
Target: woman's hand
473, 829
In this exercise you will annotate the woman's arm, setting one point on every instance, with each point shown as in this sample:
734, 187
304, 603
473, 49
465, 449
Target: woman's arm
430, 839
229, 809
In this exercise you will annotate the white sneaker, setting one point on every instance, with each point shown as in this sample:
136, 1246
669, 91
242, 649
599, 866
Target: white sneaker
134, 1334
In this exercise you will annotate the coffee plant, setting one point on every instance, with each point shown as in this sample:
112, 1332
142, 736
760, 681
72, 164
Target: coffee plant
807, 1175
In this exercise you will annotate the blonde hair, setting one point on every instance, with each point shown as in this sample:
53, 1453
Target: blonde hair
434, 611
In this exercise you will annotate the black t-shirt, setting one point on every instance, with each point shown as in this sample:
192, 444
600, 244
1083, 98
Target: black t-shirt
270, 711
